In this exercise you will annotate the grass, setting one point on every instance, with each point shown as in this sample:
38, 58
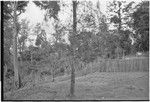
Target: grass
92, 82
95, 86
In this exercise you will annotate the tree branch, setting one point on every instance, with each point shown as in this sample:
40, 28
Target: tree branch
10, 15
19, 13
22, 3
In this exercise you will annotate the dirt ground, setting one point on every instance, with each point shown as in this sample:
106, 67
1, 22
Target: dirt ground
96, 86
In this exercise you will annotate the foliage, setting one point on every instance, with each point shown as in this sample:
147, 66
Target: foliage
7, 10
41, 35
92, 39
23, 34
89, 46
121, 17
141, 26
7, 39
59, 31
125, 42
87, 16
115, 19
25, 55
52, 7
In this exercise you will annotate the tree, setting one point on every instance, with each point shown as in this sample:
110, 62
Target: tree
11, 11
115, 7
72, 86
141, 26
52, 8
7, 39
34, 53
120, 16
86, 18
53, 59
92, 23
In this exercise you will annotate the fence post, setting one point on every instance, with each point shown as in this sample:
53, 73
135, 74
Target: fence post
132, 65
118, 65
139, 61
113, 66
108, 68
130, 68
136, 65
106, 65
125, 65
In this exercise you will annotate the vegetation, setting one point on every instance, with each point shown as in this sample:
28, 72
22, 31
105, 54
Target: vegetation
91, 45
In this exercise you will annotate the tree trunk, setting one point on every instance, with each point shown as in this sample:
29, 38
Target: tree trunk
20, 50
72, 86
15, 60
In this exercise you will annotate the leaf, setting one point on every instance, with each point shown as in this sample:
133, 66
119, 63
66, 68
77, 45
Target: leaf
38, 41
115, 20
52, 7
128, 7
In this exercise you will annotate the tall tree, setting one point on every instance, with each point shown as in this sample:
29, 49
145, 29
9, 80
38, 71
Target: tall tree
11, 11
141, 26
72, 86
52, 8
120, 15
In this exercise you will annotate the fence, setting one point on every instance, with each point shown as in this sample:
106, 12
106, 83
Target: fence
119, 65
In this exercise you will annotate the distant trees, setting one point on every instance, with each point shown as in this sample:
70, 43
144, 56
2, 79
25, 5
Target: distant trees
52, 8
131, 21
120, 16
22, 36
140, 24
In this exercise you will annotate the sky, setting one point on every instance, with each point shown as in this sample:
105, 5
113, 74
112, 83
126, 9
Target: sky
35, 15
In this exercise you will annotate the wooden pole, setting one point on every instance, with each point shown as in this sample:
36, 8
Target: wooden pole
72, 86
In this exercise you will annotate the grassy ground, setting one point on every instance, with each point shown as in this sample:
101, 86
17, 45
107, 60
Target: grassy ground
95, 86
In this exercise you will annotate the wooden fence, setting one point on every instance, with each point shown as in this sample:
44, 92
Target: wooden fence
119, 65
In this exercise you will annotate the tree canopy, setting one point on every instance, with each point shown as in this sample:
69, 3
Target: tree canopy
141, 26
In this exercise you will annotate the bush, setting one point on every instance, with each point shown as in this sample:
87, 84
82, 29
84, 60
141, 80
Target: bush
8, 84
9, 73
62, 70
